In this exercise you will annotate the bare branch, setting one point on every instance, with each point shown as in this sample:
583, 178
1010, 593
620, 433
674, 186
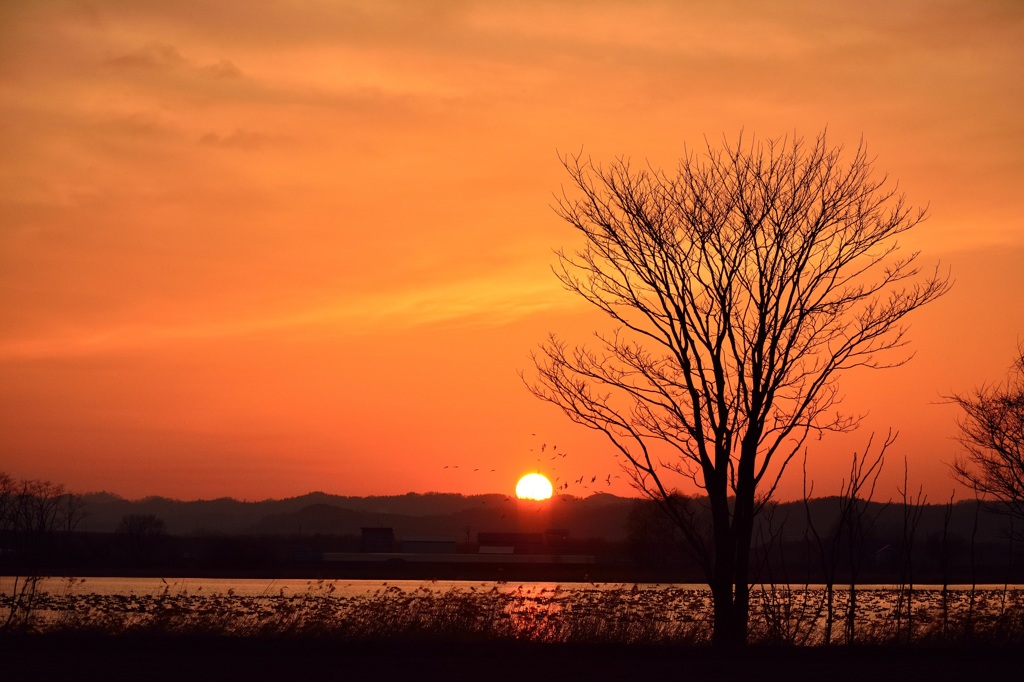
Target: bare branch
992, 435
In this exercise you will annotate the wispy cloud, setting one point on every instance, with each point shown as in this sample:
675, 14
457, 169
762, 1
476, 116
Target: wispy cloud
156, 56
246, 140
484, 302
153, 56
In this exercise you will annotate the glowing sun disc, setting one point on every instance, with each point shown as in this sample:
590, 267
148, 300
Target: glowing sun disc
534, 487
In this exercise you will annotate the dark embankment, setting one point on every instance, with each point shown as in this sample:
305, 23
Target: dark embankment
81, 657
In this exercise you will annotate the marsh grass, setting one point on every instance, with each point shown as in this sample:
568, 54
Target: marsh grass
794, 616
663, 615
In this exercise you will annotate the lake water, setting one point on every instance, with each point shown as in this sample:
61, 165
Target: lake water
248, 587
114, 586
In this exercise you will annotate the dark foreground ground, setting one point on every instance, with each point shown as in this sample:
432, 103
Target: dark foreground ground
80, 657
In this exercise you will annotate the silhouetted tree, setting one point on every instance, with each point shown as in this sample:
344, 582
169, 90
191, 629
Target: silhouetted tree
144, 534
849, 534
742, 285
912, 508
992, 433
31, 513
655, 538
945, 557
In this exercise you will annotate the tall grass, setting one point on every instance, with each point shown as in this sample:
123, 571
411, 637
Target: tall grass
485, 612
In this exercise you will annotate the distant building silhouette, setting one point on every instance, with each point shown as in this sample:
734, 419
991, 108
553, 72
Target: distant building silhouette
377, 540
428, 546
548, 542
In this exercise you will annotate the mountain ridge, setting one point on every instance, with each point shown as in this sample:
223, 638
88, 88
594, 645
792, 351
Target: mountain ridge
461, 517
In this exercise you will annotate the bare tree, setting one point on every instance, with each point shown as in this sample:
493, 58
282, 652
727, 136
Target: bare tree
31, 513
992, 433
945, 556
741, 287
853, 523
913, 508
144, 534
655, 538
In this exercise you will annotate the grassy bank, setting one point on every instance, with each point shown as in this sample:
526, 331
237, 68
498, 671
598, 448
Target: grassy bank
543, 614
101, 657
516, 633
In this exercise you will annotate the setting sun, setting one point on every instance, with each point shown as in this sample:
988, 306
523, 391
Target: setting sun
534, 487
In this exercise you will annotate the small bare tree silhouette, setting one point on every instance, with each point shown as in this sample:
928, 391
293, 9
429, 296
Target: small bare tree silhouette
992, 434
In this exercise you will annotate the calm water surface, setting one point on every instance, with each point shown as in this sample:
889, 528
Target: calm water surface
247, 587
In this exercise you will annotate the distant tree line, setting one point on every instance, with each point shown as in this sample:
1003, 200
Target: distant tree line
833, 540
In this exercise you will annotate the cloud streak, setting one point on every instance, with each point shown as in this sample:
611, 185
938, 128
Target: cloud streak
483, 302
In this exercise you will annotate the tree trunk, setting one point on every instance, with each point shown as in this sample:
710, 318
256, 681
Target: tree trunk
721, 581
722, 634
730, 582
742, 536
743, 530
730, 589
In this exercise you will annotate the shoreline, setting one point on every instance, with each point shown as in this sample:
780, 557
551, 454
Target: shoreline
163, 657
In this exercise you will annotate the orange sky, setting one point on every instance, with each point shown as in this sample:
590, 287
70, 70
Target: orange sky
257, 252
